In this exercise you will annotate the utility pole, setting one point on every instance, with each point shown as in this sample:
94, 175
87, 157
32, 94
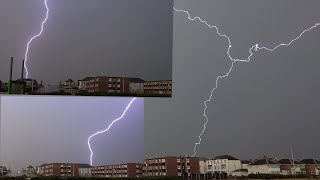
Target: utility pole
294, 169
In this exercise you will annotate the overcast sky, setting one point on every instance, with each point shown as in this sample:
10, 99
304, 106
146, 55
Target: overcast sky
263, 106
36, 130
88, 38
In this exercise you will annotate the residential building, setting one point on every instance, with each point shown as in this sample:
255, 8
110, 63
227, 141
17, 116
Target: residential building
82, 84
264, 166
69, 82
29, 171
170, 166
223, 164
41, 169
158, 87
69, 86
3, 171
108, 84
291, 167
31, 85
118, 170
59, 169
312, 167
84, 170
136, 86
203, 165
4, 87
245, 163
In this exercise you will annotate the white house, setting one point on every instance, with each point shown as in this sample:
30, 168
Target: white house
203, 165
264, 166
223, 164
40, 169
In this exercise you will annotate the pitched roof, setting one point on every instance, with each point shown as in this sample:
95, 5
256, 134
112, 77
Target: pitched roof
69, 80
30, 167
245, 162
87, 78
42, 165
136, 80
84, 166
203, 159
263, 162
225, 157
288, 161
310, 161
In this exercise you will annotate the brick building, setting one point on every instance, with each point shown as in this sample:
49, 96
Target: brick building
291, 167
118, 170
170, 166
59, 169
157, 87
312, 167
108, 84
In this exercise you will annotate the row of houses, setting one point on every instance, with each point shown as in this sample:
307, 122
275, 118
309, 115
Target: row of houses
224, 165
93, 84
235, 167
158, 166
85, 170
123, 84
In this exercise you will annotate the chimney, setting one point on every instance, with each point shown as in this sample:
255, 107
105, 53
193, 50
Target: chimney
22, 70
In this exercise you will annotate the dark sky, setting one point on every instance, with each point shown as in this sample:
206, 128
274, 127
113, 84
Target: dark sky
38, 130
263, 106
87, 38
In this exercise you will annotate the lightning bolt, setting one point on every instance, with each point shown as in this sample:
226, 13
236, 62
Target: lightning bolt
105, 130
34, 37
254, 48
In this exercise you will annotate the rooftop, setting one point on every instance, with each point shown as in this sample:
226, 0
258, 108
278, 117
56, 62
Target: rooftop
288, 161
310, 161
225, 157
264, 161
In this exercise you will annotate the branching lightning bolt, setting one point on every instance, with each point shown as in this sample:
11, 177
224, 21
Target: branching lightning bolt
255, 48
34, 37
105, 130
